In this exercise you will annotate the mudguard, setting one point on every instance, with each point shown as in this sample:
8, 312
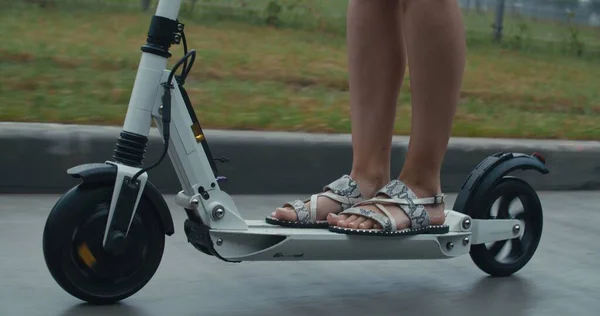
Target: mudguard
103, 173
484, 177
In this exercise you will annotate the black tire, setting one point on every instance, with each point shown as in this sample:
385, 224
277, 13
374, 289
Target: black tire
523, 247
79, 218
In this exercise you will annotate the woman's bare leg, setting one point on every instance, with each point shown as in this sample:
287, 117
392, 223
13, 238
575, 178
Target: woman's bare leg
377, 62
435, 42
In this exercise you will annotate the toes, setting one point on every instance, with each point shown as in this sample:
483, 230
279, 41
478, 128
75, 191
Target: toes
357, 222
352, 221
342, 217
285, 214
333, 219
346, 222
367, 224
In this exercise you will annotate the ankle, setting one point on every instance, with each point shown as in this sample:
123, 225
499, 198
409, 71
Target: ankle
421, 186
369, 183
422, 174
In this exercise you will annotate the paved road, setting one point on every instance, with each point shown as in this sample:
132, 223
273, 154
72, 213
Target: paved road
561, 279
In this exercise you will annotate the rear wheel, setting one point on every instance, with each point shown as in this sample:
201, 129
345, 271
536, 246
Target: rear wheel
504, 258
72, 246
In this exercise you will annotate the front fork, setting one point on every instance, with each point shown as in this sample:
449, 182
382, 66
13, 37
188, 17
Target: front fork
201, 195
187, 146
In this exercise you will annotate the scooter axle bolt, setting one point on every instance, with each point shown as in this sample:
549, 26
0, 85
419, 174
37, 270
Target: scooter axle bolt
450, 245
218, 212
219, 242
466, 224
517, 229
195, 202
466, 241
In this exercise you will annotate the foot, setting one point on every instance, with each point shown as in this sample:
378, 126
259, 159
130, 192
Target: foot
421, 214
336, 197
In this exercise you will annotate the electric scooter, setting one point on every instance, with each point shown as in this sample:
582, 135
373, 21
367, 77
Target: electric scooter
104, 238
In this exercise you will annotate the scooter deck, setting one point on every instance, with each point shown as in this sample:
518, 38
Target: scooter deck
266, 242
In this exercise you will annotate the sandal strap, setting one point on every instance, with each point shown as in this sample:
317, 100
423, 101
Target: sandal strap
397, 189
438, 199
345, 186
302, 212
343, 190
388, 215
344, 200
313, 207
399, 194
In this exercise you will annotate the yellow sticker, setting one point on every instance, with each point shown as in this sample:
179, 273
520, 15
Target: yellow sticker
86, 255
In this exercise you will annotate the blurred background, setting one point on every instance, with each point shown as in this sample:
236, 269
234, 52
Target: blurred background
532, 70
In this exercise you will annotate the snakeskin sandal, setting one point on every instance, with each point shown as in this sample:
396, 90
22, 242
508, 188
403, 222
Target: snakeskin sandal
398, 193
343, 190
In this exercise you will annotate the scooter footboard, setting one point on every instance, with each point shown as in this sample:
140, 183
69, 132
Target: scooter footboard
263, 242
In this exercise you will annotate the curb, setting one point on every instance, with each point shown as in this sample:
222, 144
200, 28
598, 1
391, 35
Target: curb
35, 156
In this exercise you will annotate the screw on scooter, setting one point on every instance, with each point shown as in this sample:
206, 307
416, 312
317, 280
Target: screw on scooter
104, 238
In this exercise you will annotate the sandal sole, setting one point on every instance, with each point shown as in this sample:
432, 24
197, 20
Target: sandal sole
293, 224
432, 229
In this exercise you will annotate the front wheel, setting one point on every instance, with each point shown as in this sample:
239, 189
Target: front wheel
504, 258
73, 251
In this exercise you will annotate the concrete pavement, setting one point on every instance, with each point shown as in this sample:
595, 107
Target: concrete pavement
561, 279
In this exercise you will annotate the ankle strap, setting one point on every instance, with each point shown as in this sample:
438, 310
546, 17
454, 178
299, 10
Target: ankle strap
438, 199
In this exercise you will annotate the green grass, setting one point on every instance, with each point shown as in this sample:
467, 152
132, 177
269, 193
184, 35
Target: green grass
519, 31
79, 68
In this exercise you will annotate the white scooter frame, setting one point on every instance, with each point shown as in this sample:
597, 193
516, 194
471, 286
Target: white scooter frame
236, 239
216, 227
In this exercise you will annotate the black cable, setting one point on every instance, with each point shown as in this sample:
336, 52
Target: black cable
166, 111
185, 51
186, 69
191, 53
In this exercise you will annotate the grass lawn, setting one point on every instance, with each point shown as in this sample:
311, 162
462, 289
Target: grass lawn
79, 68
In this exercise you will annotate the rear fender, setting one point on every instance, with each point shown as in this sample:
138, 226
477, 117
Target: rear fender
485, 176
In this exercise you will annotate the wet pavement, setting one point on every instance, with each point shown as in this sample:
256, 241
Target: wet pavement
561, 279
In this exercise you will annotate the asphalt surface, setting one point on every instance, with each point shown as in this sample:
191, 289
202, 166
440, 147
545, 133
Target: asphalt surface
561, 279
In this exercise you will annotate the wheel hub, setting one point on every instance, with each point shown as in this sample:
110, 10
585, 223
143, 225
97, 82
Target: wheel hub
95, 262
517, 246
